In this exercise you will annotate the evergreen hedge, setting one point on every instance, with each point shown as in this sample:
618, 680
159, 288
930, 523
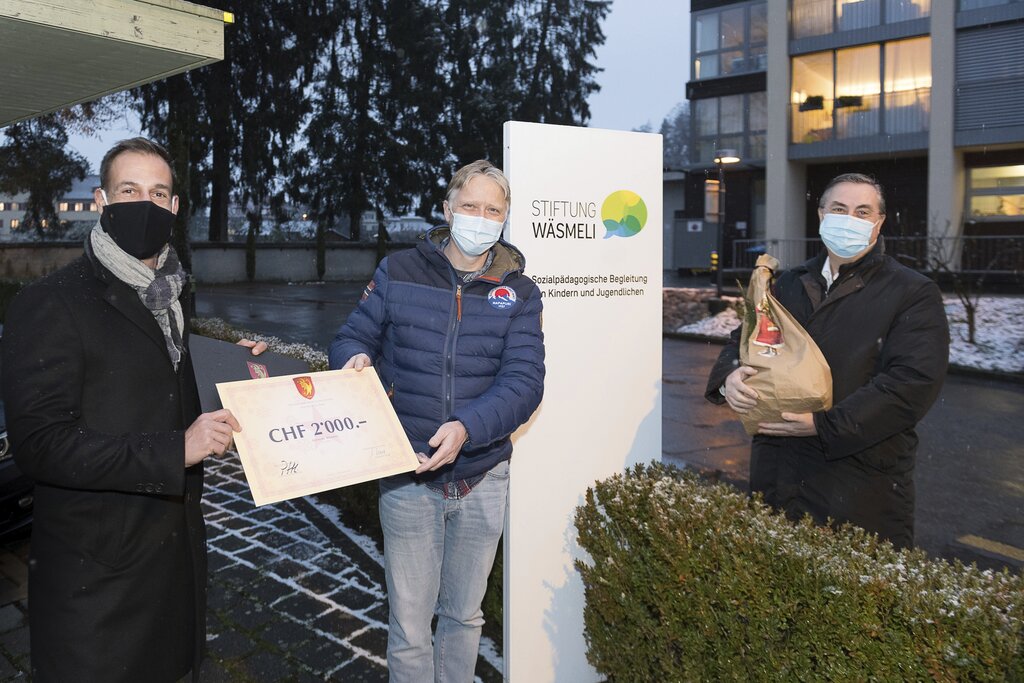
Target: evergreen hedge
693, 581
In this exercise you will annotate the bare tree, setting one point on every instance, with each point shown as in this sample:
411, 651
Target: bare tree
946, 259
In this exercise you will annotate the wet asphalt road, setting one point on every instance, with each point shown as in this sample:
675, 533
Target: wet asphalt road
970, 472
305, 313
970, 466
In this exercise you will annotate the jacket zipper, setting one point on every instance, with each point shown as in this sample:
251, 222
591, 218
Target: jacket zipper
449, 362
449, 355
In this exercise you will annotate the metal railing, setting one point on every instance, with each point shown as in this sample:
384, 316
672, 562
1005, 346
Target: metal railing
995, 254
856, 116
819, 17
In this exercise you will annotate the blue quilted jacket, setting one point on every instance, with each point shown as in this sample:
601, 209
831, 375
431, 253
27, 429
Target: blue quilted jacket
447, 350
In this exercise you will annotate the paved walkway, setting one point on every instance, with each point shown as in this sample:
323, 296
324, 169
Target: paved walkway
291, 597
293, 594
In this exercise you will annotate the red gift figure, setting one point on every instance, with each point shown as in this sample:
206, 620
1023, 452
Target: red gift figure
768, 333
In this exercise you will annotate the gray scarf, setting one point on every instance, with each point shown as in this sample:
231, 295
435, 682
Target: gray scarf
159, 290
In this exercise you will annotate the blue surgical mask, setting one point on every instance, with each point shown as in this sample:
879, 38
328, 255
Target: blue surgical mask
474, 235
845, 235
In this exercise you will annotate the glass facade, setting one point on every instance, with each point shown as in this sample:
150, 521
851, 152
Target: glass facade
731, 122
995, 193
821, 17
978, 4
730, 41
862, 91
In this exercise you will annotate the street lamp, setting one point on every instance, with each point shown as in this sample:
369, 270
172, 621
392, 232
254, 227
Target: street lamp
722, 157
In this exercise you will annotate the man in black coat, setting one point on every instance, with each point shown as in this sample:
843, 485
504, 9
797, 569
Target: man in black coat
103, 414
883, 330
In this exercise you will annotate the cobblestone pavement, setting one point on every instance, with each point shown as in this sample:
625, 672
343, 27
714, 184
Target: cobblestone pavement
287, 600
293, 594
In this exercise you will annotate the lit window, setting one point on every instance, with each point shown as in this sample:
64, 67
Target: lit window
3, 206
996, 193
838, 94
79, 206
62, 206
14, 206
15, 224
908, 85
43, 222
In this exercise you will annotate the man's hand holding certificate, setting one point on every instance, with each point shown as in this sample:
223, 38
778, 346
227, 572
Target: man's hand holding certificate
309, 433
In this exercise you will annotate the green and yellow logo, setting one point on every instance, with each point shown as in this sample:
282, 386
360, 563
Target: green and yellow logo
623, 213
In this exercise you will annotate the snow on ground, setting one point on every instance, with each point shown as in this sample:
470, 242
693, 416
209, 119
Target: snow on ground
488, 649
720, 325
999, 336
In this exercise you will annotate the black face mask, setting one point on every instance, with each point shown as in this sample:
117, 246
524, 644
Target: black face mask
139, 228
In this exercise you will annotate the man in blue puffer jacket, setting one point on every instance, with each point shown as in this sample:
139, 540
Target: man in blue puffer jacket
453, 328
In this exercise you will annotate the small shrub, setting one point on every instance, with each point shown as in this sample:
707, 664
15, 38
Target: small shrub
693, 581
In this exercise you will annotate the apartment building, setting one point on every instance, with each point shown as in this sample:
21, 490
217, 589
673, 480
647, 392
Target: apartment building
77, 206
925, 95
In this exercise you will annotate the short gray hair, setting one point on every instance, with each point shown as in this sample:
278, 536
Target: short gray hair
470, 171
858, 178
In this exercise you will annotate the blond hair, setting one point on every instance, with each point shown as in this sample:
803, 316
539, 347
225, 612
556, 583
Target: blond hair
479, 167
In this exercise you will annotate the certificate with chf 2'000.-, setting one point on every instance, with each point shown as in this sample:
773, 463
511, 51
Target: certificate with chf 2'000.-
303, 434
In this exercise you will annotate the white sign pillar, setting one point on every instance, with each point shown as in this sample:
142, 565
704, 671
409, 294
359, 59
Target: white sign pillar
587, 213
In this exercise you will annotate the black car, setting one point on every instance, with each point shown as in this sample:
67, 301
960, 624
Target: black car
15, 487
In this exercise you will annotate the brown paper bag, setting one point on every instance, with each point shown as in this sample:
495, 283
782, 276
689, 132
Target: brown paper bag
792, 374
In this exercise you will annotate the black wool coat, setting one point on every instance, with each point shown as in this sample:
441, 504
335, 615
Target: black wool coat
883, 330
96, 413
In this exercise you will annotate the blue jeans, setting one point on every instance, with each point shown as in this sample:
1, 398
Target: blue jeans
437, 556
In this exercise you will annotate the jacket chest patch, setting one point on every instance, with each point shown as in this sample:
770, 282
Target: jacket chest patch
501, 298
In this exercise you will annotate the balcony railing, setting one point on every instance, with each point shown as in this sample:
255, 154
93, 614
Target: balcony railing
855, 116
812, 17
993, 254
978, 4
815, 17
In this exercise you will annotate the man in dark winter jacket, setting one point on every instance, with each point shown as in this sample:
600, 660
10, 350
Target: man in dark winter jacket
453, 327
883, 330
103, 414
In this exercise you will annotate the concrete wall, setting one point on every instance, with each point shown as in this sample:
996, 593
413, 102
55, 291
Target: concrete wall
786, 180
946, 180
29, 261
213, 263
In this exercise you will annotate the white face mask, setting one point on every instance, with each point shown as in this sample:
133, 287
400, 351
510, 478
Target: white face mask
474, 235
845, 235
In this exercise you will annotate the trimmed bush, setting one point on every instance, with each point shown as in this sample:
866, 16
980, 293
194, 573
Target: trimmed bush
693, 581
